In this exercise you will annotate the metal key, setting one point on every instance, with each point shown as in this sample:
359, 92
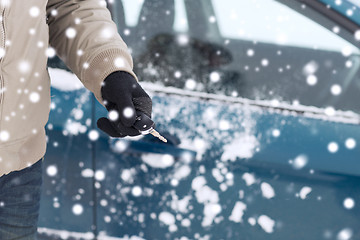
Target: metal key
145, 125
157, 134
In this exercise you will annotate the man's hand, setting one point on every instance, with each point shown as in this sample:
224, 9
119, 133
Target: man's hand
123, 96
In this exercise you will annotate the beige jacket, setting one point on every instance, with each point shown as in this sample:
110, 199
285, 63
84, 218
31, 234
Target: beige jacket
83, 36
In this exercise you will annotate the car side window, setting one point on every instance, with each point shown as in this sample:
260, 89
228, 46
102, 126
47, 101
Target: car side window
245, 51
281, 54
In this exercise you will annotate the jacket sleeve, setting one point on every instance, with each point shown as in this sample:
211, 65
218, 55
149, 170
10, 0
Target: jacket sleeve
86, 39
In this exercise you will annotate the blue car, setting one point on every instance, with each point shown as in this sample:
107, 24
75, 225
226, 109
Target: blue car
259, 101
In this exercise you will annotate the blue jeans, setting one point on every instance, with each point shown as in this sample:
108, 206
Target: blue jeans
20, 202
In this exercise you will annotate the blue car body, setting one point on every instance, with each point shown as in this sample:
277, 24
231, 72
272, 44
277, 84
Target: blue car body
236, 166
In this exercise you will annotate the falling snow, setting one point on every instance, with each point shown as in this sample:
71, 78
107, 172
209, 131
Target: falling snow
50, 52
51, 170
128, 112
34, 11
350, 143
276, 132
214, 77
208, 188
336, 89
349, 203
311, 80
333, 147
265, 62
100, 175
70, 32
113, 115
93, 135
77, 209
24, 67
136, 191
345, 234
119, 62
4, 136
190, 84
300, 161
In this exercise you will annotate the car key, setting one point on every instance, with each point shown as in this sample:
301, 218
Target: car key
145, 125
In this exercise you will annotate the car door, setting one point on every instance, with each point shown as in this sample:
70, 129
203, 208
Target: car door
268, 105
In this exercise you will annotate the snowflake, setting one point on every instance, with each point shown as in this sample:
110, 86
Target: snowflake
34, 97
250, 52
4, 136
51, 170
346, 51
190, 84
77, 209
345, 234
50, 52
357, 35
349, 203
70, 32
2, 52
107, 33
128, 112
136, 191
177, 74
99, 175
276, 133
333, 147
24, 66
113, 115
93, 135
336, 89
350, 143
34, 11
212, 19
264, 62
119, 62
214, 76
311, 80
300, 161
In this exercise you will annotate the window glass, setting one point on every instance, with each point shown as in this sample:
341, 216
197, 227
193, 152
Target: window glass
180, 24
252, 20
255, 49
132, 11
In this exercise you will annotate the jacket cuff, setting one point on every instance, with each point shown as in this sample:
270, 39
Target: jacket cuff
101, 66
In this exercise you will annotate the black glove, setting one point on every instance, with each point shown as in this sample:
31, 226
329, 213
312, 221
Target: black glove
123, 95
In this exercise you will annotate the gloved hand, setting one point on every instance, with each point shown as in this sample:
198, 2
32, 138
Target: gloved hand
123, 96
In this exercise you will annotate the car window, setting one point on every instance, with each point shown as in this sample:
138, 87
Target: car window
132, 12
252, 20
244, 51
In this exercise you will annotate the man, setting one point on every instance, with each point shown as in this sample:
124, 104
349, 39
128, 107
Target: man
85, 38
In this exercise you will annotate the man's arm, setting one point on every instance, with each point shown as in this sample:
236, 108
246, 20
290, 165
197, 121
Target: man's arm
86, 39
